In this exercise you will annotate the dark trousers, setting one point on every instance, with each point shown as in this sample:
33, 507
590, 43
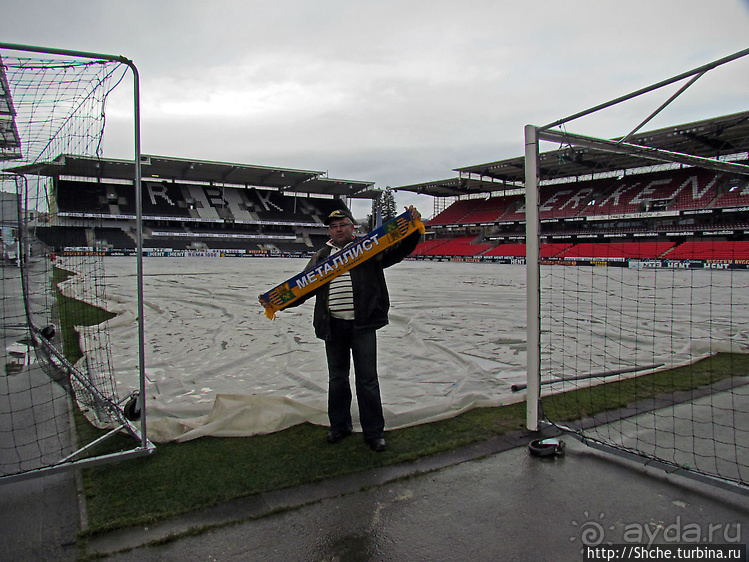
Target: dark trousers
342, 343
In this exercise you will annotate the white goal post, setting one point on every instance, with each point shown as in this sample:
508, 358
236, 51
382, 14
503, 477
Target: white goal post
538, 325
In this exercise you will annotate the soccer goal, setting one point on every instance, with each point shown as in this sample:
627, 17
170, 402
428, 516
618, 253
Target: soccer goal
648, 356
59, 402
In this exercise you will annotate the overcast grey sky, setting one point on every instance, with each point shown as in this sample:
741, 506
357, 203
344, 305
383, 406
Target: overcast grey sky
390, 91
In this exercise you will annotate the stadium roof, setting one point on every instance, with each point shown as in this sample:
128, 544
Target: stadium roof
456, 186
166, 168
711, 138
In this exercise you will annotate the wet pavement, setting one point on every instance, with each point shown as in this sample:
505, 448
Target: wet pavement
489, 501
39, 519
507, 506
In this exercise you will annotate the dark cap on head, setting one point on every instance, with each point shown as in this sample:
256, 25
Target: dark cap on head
339, 214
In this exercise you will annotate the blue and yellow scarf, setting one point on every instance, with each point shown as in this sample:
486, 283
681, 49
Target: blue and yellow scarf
352, 255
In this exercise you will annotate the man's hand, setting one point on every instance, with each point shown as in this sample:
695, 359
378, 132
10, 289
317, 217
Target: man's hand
262, 301
415, 214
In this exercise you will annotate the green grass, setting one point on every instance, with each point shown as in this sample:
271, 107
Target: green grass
72, 313
181, 477
589, 401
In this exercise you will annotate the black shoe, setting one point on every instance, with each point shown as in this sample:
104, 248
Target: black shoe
336, 436
377, 445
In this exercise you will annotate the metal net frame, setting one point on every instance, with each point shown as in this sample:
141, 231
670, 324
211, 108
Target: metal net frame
635, 325
59, 403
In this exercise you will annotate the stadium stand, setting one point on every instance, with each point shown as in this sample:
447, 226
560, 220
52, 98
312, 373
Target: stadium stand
710, 250
617, 250
115, 238
697, 189
515, 209
427, 247
487, 211
552, 250
461, 246
60, 237
582, 216
566, 201
281, 211
685, 189
507, 250
455, 212
735, 194
262, 220
633, 194
663, 205
518, 250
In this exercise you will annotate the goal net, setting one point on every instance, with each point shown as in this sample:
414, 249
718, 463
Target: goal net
59, 404
647, 354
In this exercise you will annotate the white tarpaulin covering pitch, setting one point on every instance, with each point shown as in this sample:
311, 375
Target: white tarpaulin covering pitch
215, 365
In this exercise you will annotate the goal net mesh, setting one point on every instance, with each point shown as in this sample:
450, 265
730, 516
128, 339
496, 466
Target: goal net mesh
53, 280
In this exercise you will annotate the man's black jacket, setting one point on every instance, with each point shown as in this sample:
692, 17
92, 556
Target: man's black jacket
371, 298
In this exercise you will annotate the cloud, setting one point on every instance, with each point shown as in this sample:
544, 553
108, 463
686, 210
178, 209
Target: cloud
392, 92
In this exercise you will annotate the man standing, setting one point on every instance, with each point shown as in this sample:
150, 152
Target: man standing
348, 312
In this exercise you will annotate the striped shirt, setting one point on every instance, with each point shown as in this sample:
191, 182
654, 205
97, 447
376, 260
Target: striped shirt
341, 295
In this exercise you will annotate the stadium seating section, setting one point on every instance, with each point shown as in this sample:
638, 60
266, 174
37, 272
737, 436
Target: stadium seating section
656, 191
695, 250
624, 250
455, 212
182, 216
508, 251
59, 237
185, 215
711, 250
461, 246
615, 203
